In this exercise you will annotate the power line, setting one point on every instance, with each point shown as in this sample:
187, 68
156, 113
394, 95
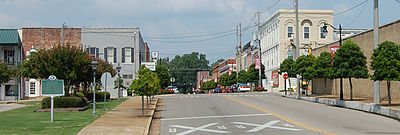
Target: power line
350, 8
190, 36
358, 15
398, 1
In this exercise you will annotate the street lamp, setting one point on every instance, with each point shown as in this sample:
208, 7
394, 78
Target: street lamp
325, 33
119, 83
94, 66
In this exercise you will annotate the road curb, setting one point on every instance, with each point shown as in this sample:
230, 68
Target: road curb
367, 107
147, 131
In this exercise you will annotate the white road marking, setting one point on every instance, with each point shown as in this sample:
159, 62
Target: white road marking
240, 126
207, 117
287, 125
266, 125
172, 130
201, 128
221, 127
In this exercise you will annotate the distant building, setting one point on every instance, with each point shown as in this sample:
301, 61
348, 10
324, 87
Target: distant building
147, 52
202, 77
229, 65
118, 46
276, 44
10, 54
347, 33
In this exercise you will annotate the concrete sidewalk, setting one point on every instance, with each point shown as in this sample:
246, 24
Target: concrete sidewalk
125, 119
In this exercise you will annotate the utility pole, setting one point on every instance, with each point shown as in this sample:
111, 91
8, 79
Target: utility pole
297, 45
259, 49
376, 42
62, 32
240, 46
237, 52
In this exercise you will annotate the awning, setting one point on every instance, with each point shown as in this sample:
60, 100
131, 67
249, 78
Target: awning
9, 37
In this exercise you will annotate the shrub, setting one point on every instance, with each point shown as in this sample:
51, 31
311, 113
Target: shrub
129, 92
259, 89
63, 102
99, 96
79, 94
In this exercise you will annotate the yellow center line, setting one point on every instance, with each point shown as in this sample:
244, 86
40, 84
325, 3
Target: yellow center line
282, 117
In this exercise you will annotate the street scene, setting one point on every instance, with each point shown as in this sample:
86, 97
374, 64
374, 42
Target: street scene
200, 67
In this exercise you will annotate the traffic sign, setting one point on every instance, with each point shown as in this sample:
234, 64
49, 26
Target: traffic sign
285, 76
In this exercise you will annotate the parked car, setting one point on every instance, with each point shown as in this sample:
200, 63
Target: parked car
217, 90
244, 88
174, 88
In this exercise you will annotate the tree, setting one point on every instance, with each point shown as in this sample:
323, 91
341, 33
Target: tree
323, 68
209, 85
65, 62
5, 73
304, 67
253, 73
288, 66
121, 84
217, 62
349, 62
386, 62
184, 68
164, 75
243, 77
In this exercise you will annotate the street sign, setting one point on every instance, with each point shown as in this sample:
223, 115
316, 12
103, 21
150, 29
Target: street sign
258, 63
53, 87
172, 79
150, 65
105, 79
285, 76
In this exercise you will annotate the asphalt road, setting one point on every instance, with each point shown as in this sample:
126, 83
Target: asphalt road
262, 113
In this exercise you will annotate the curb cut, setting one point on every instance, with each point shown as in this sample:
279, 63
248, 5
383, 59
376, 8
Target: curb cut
366, 107
147, 131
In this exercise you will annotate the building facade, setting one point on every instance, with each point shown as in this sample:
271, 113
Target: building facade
362, 87
118, 46
202, 77
10, 54
277, 33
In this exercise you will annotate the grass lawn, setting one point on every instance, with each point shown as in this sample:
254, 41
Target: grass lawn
25, 121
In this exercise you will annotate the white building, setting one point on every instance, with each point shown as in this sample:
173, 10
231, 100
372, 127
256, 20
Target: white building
275, 41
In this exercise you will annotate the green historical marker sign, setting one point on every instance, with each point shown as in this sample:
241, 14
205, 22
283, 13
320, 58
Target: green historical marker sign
53, 87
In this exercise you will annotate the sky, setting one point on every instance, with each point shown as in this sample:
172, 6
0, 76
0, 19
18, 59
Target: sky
177, 27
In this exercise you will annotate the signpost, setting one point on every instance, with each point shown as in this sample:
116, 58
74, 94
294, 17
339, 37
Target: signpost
106, 76
52, 87
285, 76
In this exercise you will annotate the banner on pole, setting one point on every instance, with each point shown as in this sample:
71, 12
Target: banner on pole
257, 61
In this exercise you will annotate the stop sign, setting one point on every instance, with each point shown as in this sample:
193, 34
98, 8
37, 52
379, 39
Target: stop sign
285, 76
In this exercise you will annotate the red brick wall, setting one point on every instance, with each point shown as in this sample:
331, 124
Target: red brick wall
44, 38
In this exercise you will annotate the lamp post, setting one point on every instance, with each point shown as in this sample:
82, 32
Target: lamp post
94, 66
119, 83
325, 33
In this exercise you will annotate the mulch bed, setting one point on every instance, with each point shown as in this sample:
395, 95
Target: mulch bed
69, 109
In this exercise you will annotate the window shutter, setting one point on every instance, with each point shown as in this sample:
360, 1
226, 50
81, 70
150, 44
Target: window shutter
115, 55
26, 88
105, 54
97, 53
123, 55
132, 55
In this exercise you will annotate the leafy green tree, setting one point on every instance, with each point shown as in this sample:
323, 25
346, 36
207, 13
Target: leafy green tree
65, 62
304, 66
209, 85
288, 66
184, 68
323, 68
164, 75
243, 77
147, 84
253, 73
121, 84
386, 63
224, 80
5, 73
349, 62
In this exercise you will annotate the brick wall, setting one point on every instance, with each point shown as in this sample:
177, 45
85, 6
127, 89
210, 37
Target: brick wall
44, 38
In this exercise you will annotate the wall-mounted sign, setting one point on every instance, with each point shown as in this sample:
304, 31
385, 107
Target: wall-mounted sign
150, 65
275, 78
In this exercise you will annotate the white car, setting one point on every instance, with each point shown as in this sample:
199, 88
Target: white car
174, 88
243, 88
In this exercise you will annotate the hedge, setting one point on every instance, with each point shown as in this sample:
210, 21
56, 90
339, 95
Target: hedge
99, 96
63, 102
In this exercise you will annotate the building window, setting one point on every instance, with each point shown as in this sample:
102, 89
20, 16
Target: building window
32, 88
322, 33
110, 54
93, 51
127, 55
9, 57
127, 76
11, 90
306, 32
290, 31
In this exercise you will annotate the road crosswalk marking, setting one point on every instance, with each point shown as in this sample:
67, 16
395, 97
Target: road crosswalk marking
201, 128
266, 125
210, 95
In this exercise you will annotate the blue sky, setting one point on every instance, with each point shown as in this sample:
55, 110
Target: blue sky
164, 22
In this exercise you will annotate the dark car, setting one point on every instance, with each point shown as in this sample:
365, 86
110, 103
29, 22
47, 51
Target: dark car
217, 90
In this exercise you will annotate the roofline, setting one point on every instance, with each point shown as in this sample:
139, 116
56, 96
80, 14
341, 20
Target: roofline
307, 11
385, 25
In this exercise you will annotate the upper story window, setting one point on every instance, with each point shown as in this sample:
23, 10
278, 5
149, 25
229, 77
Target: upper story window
306, 32
110, 54
127, 55
321, 32
93, 51
290, 31
9, 57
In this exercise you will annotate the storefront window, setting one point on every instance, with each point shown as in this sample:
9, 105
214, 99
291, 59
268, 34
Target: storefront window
11, 90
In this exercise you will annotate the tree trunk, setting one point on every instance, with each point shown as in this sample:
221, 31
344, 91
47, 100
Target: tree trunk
147, 101
388, 88
351, 89
324, 86
142, 105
